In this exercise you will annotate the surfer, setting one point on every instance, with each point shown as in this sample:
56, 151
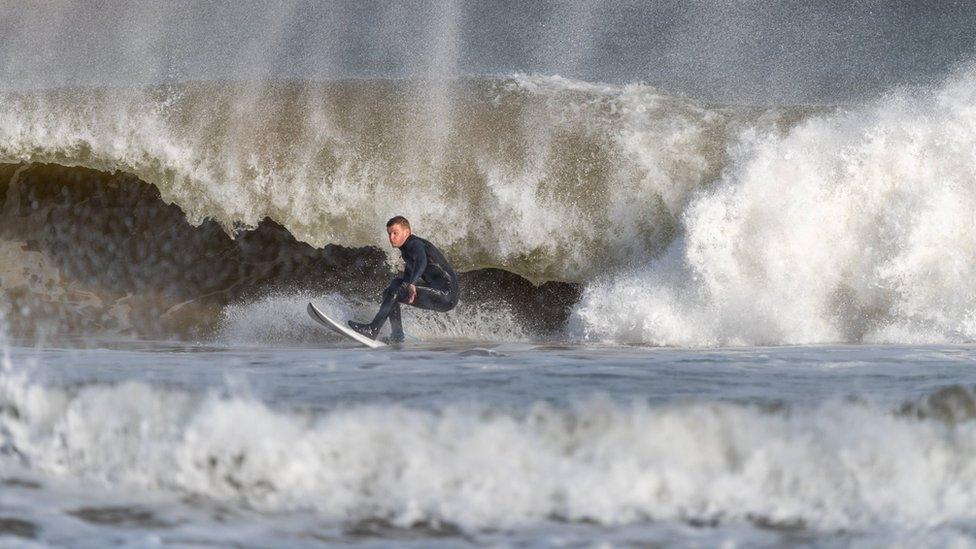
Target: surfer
428, 281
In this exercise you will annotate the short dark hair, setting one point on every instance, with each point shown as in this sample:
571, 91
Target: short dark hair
398, 220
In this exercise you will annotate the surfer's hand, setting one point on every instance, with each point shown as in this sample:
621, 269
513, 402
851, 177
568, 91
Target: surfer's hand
411, 293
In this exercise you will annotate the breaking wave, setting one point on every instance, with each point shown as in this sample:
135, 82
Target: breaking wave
687, 223
830, 467
548, 178
856, 225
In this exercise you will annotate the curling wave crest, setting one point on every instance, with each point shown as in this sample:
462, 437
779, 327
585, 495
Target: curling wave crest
549, 178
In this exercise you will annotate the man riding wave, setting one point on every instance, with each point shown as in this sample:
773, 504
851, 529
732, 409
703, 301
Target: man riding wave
428, 282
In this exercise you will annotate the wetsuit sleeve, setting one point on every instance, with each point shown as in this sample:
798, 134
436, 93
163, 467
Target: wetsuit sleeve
419, 265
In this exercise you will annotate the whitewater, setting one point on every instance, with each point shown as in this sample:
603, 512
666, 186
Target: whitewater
446, 445
682, 322
821, 225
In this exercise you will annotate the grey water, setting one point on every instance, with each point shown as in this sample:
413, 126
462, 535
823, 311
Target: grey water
464, 444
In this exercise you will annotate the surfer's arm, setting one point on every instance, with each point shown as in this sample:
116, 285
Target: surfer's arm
415, 270
419, 264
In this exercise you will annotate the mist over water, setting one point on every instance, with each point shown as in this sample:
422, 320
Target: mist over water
759, 52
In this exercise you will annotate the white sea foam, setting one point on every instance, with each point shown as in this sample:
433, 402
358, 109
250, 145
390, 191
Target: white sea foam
835, 466
853, 226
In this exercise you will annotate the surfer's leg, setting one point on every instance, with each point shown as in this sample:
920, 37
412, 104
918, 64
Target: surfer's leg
435, 299
396, 326
389, 308
431, 298
394, 292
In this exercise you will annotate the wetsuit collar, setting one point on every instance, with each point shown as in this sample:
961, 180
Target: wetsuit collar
407, 240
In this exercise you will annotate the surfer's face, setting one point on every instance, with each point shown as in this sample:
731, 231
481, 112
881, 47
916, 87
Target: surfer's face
397, 234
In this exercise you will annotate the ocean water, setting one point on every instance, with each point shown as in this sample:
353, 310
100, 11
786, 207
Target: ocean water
717, 264
464, 443
681, 324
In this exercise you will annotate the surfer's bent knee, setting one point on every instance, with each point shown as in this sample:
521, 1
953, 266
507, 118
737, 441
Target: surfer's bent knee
395, 287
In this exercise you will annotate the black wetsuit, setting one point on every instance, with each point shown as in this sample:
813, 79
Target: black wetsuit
427, 269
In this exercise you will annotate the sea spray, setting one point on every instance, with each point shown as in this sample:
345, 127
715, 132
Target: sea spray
853, 226
274, 320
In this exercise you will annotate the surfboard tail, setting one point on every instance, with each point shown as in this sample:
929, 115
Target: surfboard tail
340, 329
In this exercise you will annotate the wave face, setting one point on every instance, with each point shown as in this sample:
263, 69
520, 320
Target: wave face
90, 253
856, 225
830, 467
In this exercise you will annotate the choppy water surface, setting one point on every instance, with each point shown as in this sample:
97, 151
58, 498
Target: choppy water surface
453, 444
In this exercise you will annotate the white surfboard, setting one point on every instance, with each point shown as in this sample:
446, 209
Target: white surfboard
320, 317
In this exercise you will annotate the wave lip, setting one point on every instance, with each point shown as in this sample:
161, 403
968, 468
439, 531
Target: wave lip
832, 467
545, 177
